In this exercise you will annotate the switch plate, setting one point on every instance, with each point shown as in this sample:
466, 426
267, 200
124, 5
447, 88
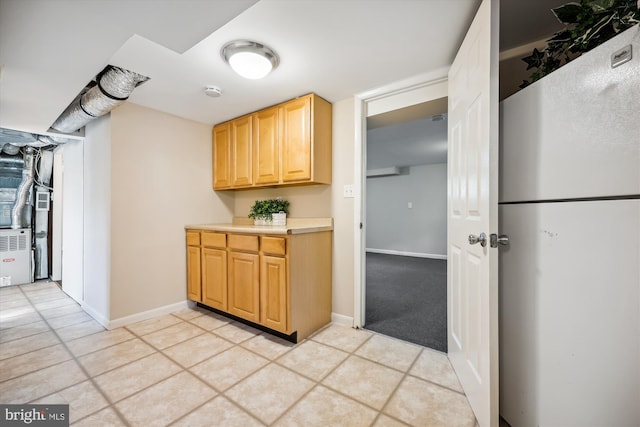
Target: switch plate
410, 205
348, 191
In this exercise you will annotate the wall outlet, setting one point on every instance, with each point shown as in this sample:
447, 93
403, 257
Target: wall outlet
348, 191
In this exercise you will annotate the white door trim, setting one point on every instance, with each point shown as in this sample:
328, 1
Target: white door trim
421, 88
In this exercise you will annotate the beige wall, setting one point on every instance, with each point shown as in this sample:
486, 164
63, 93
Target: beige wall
152, 175
160, 181
97, 219
312, 201
325, 201
342, 208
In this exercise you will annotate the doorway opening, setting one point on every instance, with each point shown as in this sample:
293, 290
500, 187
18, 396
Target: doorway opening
406, 239
418, 98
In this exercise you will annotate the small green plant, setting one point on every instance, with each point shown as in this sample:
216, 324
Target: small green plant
263, 209
589, 23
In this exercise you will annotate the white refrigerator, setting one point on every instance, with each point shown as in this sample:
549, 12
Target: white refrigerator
570, 278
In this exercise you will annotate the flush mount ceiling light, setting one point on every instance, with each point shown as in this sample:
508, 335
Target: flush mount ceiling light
250, 59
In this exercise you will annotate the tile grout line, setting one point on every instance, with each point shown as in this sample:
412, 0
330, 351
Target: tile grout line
319, 383
270, 362
408, 372
404, 376
353, 353
157, 350
81, 367
219, 393
275, 361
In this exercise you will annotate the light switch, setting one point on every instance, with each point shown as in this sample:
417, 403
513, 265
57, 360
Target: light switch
410, 205
348, 190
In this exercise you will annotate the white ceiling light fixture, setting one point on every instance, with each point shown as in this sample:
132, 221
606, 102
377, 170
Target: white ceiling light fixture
249, 59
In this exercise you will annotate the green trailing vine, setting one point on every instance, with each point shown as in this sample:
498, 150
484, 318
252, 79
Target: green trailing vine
589, 23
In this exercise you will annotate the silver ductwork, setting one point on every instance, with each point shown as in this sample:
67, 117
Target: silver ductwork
12, 140
114, 85
10, 149
22, 193
42, 204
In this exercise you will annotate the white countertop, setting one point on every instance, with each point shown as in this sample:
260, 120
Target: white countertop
245, 225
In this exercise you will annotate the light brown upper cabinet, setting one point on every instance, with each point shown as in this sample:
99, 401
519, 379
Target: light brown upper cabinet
287, 144
221, 156
304, 124
266, 146
241, 170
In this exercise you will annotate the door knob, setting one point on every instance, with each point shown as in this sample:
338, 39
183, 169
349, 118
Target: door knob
499, 239
482, 239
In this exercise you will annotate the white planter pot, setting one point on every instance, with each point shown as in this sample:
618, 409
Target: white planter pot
279, 219
262, 221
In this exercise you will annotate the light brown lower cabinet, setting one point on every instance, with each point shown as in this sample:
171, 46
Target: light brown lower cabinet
280, 282
214, 278
243, 283
274, 293
193, 266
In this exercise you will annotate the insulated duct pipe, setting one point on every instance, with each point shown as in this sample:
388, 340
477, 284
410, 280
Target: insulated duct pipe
23, 189
41, 223
114, 85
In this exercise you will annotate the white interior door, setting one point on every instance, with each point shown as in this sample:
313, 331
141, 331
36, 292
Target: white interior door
56, 226
472, 276
72, 220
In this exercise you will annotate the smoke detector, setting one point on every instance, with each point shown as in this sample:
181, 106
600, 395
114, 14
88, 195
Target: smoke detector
213, 91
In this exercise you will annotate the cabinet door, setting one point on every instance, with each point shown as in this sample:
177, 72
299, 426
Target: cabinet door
295, 139
221, 156
244, 285
266, 147
241, 164
274, 293
214, 278
193, 273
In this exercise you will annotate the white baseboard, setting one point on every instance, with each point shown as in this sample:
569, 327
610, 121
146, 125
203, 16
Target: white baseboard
127, 320
341, 319
98, 317
403, 253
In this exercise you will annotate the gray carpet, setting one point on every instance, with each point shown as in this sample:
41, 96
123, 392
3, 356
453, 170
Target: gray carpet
407, 299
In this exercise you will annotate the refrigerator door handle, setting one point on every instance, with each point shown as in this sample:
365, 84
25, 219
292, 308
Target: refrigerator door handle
495, 240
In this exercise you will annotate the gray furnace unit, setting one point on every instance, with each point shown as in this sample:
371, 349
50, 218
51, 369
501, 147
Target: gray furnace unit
15, 256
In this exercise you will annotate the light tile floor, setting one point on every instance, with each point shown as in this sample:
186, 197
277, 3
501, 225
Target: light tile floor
195, 368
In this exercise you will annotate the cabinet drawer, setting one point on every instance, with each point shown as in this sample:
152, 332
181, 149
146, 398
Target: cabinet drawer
273, 245
193, 238
214, 240
243, 243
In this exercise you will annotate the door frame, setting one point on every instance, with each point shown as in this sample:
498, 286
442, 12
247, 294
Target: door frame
415, 90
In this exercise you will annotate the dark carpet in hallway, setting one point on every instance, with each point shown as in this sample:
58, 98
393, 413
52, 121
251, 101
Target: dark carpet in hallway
406, 298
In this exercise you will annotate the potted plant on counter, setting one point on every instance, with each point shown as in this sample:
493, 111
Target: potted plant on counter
262, 211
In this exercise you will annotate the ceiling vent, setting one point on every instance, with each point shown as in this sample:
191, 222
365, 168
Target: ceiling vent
113, 86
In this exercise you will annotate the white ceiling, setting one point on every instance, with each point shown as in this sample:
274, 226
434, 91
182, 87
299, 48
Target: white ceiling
409, 137
50, 49
412, 143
